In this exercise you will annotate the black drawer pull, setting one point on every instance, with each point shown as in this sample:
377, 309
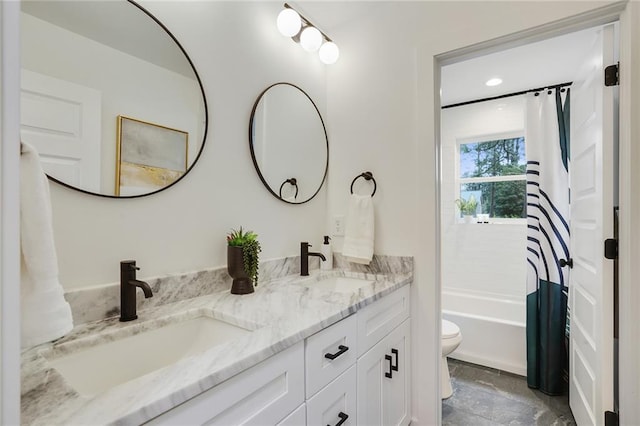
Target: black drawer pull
389, 375
395, 367
342, 349
343, 418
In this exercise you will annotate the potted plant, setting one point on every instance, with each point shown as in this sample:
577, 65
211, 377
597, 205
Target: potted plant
467, 207
242, 260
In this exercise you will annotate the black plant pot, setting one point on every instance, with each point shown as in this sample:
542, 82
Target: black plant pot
242, 283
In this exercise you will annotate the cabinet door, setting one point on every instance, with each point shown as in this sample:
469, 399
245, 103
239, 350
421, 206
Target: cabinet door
378, 319
262, 395
336, 403
383, 380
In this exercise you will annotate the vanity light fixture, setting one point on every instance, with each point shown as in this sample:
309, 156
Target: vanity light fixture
310, 39
291, 24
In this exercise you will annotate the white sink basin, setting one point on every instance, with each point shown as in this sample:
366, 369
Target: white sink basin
338, 284
99, 368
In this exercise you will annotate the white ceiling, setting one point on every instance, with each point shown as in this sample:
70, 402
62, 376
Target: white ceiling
535, 65
539, 64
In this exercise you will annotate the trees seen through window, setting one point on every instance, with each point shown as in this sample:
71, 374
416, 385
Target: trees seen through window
494, 172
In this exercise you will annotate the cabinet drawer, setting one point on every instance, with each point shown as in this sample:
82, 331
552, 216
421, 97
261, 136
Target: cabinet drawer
378, 319
261, 395
335, 403
297, 418
337, 342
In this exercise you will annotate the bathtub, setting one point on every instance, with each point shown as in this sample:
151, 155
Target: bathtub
493, 329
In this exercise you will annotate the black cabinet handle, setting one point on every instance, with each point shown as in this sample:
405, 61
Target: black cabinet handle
342, 349
343, 418
395, 367
389, 375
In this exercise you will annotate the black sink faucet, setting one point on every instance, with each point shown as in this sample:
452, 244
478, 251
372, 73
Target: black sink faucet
304, 258
128, 284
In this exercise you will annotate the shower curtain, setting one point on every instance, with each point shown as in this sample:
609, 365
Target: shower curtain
547, 145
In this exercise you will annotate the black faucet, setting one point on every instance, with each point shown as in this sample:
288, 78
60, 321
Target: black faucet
304, 258
128, 284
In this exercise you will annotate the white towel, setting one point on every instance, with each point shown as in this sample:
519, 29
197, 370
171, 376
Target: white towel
358, 233
46, 315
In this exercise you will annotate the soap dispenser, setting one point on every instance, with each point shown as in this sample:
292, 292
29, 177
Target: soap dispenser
326, 251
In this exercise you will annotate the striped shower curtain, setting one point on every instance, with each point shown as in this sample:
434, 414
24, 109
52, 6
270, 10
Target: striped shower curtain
547, 144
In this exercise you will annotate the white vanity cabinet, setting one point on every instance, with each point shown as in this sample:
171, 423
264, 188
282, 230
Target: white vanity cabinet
330, 363
297, 418
384, 380
370, 384
265, 394
355, 372
336, 403
384, 362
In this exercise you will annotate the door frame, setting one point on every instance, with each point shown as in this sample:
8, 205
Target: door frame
10, 213
629, 247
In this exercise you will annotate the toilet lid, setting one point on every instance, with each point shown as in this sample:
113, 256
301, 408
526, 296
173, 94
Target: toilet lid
449, 329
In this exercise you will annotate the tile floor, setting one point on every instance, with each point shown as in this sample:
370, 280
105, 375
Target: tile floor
484, 396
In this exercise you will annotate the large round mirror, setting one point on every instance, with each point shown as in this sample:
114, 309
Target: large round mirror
109, 98
288, 142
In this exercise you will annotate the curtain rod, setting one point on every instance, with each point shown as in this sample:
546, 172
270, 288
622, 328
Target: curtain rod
508, 95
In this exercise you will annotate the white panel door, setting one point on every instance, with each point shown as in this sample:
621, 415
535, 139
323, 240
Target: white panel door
591, 279
62, 120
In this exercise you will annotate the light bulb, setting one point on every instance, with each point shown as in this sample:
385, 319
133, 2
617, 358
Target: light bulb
494, 82
329, 53
289, 22
310, 39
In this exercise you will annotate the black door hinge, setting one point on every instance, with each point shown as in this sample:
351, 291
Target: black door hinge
612, 75
611, 418
611, 248
564, 262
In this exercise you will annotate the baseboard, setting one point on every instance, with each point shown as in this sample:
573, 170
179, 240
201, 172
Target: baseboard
520, 370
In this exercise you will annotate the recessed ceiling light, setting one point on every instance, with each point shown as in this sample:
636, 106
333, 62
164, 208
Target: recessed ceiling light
494, 82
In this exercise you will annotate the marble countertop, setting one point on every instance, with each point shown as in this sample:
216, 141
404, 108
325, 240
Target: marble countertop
281, 312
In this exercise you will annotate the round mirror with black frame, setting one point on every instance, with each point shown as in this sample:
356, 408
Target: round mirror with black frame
288, 142
109, 97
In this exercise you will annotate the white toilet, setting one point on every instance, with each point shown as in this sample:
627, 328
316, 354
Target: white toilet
451, 339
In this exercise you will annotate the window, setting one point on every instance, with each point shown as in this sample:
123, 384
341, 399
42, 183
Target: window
494, 172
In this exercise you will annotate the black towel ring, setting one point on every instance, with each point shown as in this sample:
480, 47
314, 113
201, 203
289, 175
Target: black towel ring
366, 176
292, 182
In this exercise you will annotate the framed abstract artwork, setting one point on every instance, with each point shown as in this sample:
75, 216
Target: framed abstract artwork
149, 156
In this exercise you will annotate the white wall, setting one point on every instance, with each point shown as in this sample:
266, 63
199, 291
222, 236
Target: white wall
381, 103
129, 86
480, 259
237, 52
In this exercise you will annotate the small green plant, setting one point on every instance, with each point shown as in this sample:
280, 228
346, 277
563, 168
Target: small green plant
250, 250
467, 207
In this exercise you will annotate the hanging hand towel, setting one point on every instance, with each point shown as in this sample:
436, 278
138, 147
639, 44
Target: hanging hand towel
358, 235
46, 315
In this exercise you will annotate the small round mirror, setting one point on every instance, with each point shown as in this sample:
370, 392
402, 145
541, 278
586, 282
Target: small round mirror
288, 142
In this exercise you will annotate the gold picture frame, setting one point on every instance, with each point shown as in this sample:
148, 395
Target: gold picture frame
149, 156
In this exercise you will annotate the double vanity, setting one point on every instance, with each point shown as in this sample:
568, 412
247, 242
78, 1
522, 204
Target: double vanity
330, 348
322, 349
